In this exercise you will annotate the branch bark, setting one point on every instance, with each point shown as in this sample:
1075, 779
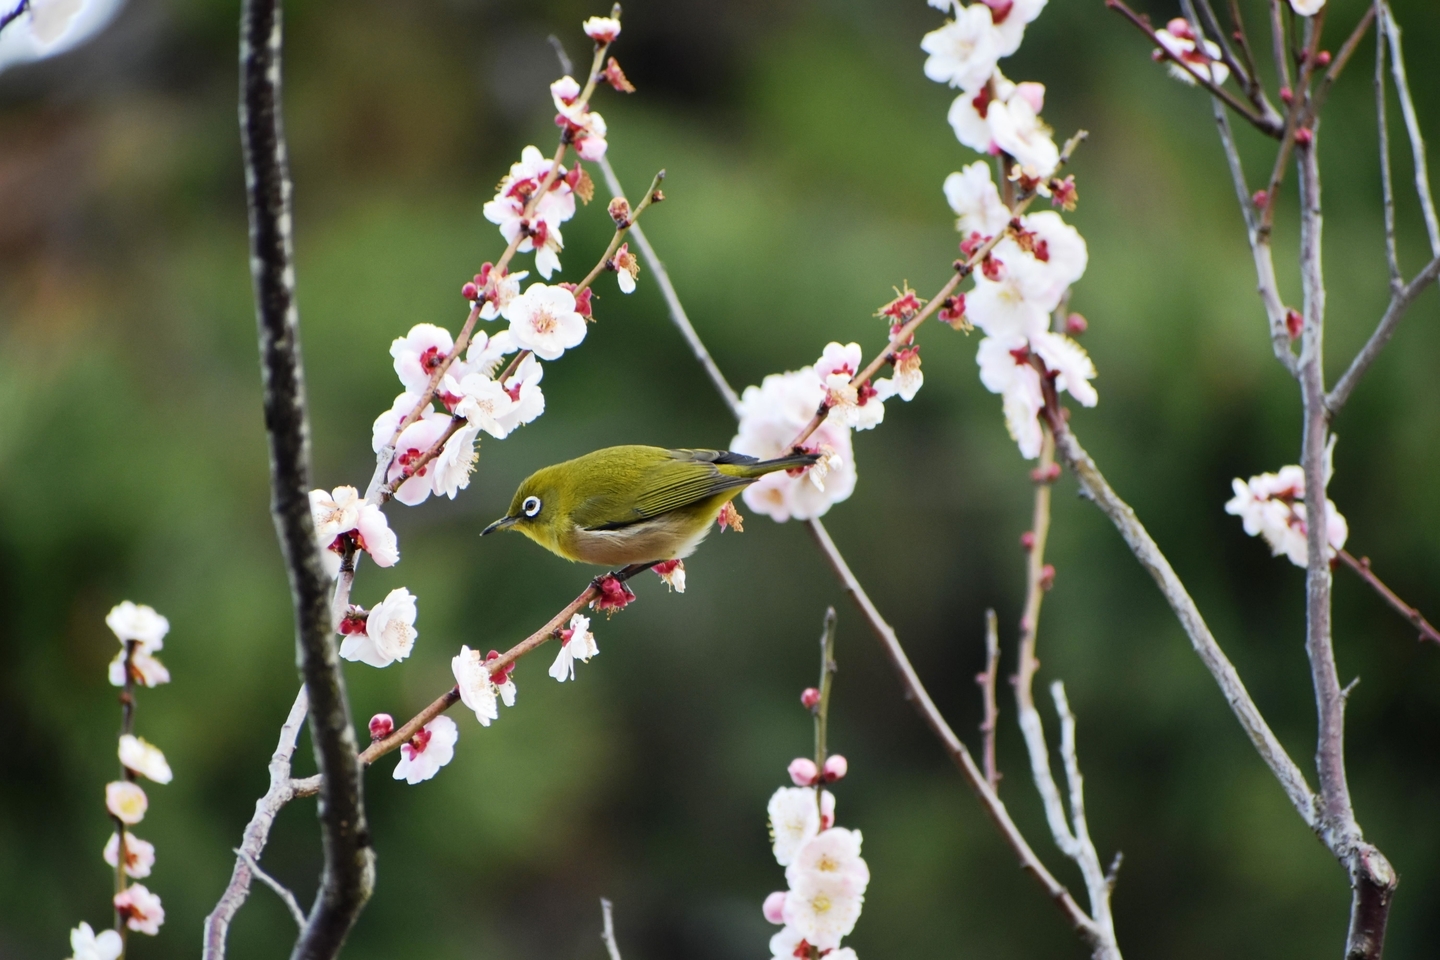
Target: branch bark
348, 875
1412, 127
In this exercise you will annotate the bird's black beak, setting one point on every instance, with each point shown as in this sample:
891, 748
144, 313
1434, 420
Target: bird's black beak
500, 524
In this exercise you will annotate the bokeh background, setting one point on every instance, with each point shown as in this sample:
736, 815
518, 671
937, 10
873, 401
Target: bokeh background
805, 153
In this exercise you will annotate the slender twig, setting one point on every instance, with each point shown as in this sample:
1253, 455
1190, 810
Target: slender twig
257, 832
1384, 330
1342, 58
652, 195
1096, 488
828, 667
1412, 128
1099, 882
127, 725
1227, 56
1277, 41
1269, 125
607, 934
987, 681
284, 894
1387, 178
1416, 619
349, 871
1242, 40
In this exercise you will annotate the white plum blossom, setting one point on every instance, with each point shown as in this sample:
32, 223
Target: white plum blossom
576, 643
410, 447
138, 622
1016, 305
375, 536
1307, 8
335, 512
1070, 363
86, 944
601, 29
478, 688
140, 756
976, 201
429, 750
857, 407
794, 820
963, 52
483, 402
1272, 505
541, 231
139, 855
126, 801
453, 466
144, 669
1179, 41
907, 380
544, 321
627, 268
419, 353
50, 27
523, 386
140, 908
507, 288
485, 352
389, 633
1016, 127
1004, 372
341, 511
771, 415
1010, 18
834, 854
383, 430
822, 909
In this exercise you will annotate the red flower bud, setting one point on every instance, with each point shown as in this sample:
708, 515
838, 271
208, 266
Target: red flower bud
835, 768
470, 292
1261, 198
381, 726
1286, 95
1294, 322
1304, 136
1027, 540
810, 698
1322, 59
1075, 324
1047, 576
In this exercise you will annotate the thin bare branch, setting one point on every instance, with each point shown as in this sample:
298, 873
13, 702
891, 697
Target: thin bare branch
285, 895
1414, 616
349, 863
1277, 41
1412, 127
257, 832
608, 933
1096, 488
1383, 332
1341, 59
987, 681
1387, 177
1099, 881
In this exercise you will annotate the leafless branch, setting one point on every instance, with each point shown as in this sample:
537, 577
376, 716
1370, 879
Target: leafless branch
1399, 303
348, 875
608, 933
1277, 41
1387, 179
257, 832
1412, 127
285, 895
987, 681
1415, 617
1099, 882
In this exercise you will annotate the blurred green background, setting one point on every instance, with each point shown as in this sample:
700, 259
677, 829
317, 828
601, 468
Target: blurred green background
805, 153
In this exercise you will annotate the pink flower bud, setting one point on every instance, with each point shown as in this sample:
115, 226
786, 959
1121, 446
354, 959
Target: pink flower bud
1304, 136
1322, 59
1261, 198
836, 767
1286, 95
1075, 324
1047, 576
1294, 322
1027, 540
470, 292
774, 908
381, 726
803, 772
613, 594
810, 698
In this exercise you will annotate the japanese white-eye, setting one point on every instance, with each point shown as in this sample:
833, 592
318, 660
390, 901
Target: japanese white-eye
633, 504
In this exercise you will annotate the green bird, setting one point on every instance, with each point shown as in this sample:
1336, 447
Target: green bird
633, 504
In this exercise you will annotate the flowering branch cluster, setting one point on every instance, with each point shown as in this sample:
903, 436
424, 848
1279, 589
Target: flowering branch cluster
141, 632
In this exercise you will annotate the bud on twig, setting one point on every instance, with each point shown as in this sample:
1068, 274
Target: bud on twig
620, 211
1047, 576
803, 772
1075, 324
381, 726
810, 698
835, 768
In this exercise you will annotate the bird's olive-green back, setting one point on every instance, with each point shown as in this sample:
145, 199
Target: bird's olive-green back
622, 485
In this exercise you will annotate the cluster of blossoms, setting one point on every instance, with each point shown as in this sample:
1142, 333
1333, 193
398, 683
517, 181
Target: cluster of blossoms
1272, 505
825, 875
141, 632
1024, 279
447, 400
1192, 56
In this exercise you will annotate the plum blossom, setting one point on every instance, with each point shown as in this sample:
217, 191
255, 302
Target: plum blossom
453, 466
773, 907
145, 669
833, 854
627, 268
907, 380
822, 909
376, 538
484, 403
585, 127
1010, 18
410, 447
140, 908
794, 820
1178, 39
140, 756
544, 321
1307, 8
50, 27
1016, 127
576, 643
1272, 505
389, 633
964, 51
771, 415
341, 511
539, 232
507, 288
1004, 372
419, 353
388, 422
523, 386
480, 690
672, 573
139, 855
1070, 363
86, 944
429, 750
126, 801
601, 29
138, 622
857, 407
976, 201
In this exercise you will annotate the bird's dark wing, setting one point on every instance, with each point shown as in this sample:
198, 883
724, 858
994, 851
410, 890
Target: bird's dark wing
689, 477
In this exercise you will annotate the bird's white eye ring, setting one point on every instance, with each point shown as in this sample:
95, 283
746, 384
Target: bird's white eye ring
531, 506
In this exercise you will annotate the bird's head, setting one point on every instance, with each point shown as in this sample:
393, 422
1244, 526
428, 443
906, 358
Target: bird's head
537, 509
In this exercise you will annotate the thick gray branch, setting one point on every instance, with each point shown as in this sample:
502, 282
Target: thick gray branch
348, 874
